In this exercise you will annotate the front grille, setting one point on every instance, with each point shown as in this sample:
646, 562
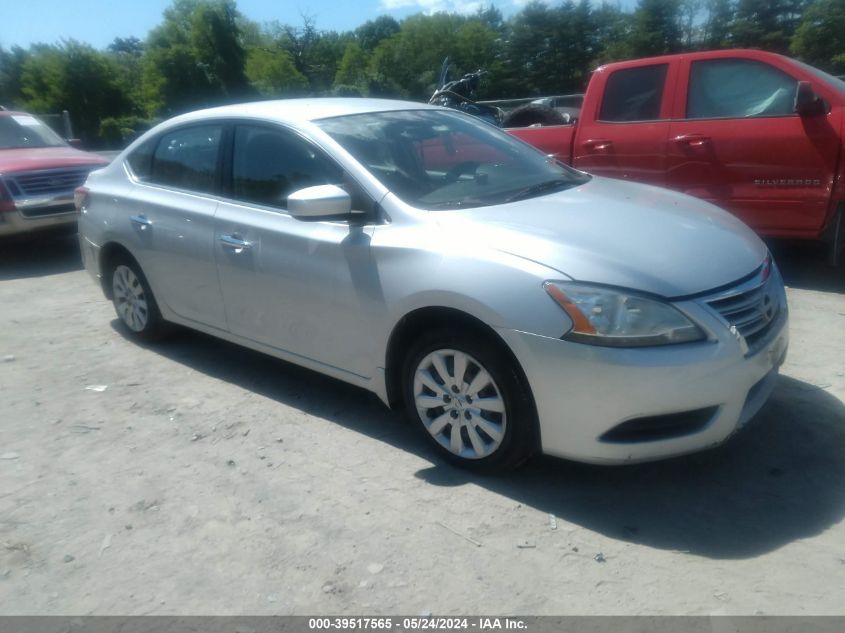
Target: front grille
43, 183
55, 209
749, 312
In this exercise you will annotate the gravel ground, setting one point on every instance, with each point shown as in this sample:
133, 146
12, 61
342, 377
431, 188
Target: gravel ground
195, 477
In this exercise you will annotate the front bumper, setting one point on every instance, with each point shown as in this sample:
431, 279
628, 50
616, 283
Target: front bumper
583, 392
15, 223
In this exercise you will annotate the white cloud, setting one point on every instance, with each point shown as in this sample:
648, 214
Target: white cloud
434, 6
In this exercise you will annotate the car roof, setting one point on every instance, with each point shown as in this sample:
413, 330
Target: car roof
14, 113
300, 110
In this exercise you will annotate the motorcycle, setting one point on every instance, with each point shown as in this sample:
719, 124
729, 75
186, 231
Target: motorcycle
460, 95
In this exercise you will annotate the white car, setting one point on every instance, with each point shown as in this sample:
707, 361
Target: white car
512, 305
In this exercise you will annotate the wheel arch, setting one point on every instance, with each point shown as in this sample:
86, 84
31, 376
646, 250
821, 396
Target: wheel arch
110, 253
422, 320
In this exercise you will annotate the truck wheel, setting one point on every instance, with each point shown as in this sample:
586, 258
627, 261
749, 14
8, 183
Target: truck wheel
534, 114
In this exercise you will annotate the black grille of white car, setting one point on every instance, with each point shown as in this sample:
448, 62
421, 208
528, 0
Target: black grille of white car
750, 312
47, 182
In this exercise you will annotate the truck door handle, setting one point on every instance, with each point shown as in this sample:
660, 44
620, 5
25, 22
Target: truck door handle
141, 221
692, 140
235, 243
597, 143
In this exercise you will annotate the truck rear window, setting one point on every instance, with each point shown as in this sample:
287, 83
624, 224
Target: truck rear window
634, 94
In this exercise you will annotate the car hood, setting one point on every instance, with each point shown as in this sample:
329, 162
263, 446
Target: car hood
621, 234
34, 158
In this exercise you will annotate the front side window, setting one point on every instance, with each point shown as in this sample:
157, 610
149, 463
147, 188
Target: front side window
436, 159
270, 164
187, 158
634, 94
739, 88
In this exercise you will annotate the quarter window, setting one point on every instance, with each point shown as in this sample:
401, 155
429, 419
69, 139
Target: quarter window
634, 94
269, 165
187, 158
141, 160
739, 88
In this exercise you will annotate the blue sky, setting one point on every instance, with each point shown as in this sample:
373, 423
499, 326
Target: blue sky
98, 22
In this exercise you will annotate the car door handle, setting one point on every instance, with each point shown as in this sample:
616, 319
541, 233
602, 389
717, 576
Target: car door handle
692, 140
597, 143
235, 243
141, 221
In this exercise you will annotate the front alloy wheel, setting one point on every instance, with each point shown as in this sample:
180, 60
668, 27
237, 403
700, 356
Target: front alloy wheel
468, 395
460, 404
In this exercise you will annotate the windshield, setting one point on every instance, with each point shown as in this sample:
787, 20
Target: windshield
446, 160
24, 130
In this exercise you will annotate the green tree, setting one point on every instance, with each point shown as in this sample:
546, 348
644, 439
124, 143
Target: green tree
11, 68
409, 61
611, 28
767, 24
352, 70
194, 58
373, 32
717, 24
272, 73
77, 78
820, 38
656, 28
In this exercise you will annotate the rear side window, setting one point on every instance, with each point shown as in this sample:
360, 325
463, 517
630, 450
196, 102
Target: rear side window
187, 158
270, 164
634, 94
739, 88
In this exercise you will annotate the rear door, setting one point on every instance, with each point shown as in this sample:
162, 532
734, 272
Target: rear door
170, 219
624, 134
737, 142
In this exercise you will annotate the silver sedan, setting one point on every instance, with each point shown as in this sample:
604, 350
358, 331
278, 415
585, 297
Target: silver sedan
512, 305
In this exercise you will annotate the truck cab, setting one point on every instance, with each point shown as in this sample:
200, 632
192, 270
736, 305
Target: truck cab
756, 133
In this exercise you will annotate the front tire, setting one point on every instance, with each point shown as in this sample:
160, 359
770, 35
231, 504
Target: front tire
134, 302
468, 398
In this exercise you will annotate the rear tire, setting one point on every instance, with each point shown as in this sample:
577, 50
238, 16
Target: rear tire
134, 302
465, 394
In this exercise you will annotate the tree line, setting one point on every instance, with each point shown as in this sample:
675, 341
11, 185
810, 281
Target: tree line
205, 52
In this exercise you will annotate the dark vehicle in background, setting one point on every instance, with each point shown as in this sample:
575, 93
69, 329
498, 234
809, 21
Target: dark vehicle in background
460, 95
38, 174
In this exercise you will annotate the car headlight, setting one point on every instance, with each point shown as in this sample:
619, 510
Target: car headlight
616, 318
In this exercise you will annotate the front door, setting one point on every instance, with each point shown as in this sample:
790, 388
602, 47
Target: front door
292, 284
738, 143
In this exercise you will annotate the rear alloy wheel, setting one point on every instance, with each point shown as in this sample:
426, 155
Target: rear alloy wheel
469, 401
134, 302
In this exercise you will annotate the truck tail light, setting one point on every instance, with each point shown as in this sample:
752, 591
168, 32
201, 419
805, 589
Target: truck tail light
6, 201
80, 198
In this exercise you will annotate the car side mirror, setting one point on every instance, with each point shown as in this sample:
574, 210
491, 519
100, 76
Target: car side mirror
322, 200
807, 102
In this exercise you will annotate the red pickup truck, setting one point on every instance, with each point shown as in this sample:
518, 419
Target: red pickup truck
758, 134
